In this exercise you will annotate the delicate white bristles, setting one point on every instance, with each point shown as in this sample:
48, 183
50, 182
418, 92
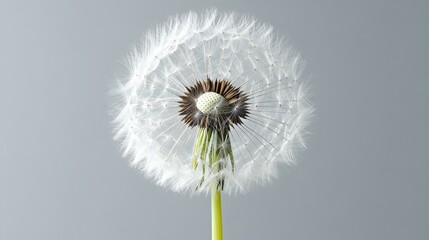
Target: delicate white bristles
259, 118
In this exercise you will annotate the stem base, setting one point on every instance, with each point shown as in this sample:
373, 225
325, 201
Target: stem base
216, 213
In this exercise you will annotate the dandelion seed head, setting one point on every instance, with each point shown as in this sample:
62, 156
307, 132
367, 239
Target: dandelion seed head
215, 81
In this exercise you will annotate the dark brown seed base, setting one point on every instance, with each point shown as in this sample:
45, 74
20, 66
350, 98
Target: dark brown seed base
235, 110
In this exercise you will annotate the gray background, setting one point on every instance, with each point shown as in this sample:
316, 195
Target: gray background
365, 174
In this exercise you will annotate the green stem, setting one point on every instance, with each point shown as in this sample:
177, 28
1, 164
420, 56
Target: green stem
216, 213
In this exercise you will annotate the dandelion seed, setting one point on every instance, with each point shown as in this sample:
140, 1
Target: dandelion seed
213, 103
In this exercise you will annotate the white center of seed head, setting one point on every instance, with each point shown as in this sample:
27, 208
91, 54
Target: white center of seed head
210, 101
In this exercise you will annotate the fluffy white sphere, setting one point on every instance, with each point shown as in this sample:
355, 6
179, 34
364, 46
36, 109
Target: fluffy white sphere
194, 47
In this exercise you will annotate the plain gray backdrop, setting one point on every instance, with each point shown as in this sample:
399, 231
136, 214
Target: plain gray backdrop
365, 174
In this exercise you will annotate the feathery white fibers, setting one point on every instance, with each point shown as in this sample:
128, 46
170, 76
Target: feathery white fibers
193, 47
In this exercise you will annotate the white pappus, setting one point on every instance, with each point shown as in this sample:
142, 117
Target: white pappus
225, 80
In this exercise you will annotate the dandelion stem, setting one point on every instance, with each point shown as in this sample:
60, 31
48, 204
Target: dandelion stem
216, 213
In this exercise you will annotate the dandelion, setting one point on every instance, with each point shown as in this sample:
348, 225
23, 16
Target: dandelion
213, 102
